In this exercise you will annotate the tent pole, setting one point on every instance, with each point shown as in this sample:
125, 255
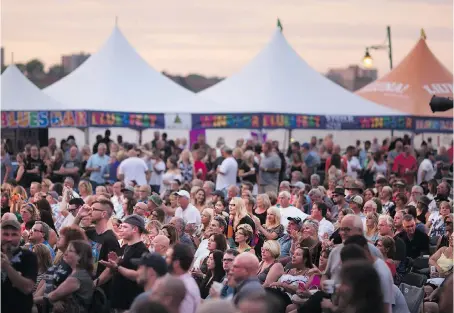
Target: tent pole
87, 135
289, 137
140, 136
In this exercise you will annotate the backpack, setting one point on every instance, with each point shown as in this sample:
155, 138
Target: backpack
99, 303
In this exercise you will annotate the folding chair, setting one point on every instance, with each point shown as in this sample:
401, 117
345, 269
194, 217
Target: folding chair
414, 296
414, 279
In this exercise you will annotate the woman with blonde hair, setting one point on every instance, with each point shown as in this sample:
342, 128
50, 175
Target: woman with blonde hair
270, 268
206, 218
238, 216
243, 236
153, 228
186, 166
371, 230
261, 209
85, 189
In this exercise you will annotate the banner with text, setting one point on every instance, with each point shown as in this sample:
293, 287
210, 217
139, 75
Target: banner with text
368, 122
226, 121
122, 119
44, 119
292, 121
432, 125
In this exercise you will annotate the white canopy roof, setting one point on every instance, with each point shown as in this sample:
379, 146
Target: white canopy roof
20, 94
277, 80
117, 79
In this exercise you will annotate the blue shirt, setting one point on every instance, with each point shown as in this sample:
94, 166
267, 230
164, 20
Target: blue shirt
285, 242
96, 161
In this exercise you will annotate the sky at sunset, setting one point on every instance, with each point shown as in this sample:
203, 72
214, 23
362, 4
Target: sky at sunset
217, 38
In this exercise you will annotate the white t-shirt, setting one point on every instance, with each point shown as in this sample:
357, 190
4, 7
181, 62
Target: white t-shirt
291, 211
325, 227
134, 168
352, 166
229, 168
427, 166
190, 215
156, 179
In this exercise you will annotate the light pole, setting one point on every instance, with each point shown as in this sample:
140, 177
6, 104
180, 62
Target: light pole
367, 59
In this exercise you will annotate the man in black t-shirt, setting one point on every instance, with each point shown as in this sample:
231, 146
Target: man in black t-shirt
416, 242
105, 239
19, 270
120, 270
34, 166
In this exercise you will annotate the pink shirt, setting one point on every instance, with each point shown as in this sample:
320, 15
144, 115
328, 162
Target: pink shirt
192, 299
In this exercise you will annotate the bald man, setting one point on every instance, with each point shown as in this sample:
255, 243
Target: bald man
244, 271
141, 208
350, 225
160, 245
170, 292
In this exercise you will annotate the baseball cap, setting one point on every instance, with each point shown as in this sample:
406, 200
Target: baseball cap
306, 145
425, 200
339, 191
53, 194
218, 193
356, 199
299, 185
297, 220
11, 223
153, 260
128, 188
136, 220
183, 193
155, 199
399, 183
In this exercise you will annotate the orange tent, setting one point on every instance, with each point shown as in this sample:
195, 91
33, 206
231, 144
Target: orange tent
409, 86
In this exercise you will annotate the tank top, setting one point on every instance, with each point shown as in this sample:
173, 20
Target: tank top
262, 276
444, 262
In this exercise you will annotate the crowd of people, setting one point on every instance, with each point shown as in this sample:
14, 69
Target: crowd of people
167, 227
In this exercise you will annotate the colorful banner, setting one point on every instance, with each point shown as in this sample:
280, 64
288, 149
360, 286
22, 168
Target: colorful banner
432, 125
369, 122
226, 121
292, 121
44, 119
120, 119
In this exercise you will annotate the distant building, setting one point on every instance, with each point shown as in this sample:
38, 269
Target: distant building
353, 77
71, 62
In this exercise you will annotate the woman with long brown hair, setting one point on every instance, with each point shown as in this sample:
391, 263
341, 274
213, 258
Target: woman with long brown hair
44, 261
75, 293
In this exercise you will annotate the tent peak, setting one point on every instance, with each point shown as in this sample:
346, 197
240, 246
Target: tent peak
423, 34
279, 25
116, 21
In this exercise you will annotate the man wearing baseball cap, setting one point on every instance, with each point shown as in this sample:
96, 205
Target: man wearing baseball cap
18, 277
189, 213
122, 271
151, 266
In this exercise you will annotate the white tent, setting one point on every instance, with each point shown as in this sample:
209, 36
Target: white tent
117, 79
278, 80
20, 94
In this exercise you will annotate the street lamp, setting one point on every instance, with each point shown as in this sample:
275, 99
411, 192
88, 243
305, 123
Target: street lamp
367, 59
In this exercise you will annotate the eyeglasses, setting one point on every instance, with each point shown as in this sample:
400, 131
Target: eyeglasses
227, 260
345, 229
38, 230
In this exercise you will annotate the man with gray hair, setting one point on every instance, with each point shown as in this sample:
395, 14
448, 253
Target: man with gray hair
209, 187
39, 233
288, 211
386, 228
97, 166
350, 225
180, 225
315, 180
227, 171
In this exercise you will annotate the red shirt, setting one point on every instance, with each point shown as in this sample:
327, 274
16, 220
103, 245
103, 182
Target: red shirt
450, 152
343, 164
401, 163
199, 165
